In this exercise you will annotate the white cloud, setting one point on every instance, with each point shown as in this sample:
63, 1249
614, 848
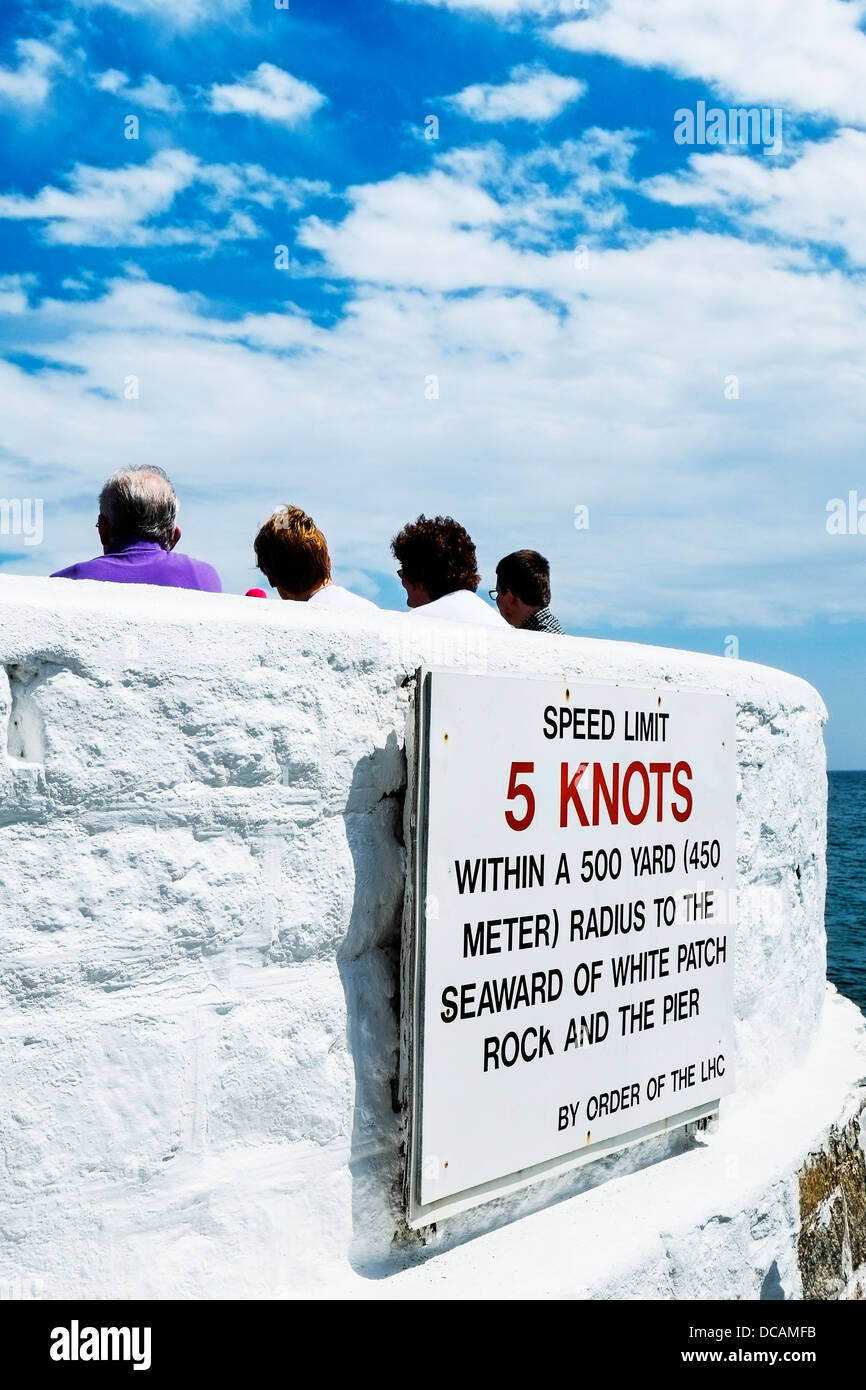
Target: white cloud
479, 219
179, 14
106, 207
231, 183
30, 82
500, 9
155, 95
270, 93
123, 206
819, 198
13, 293
559, 385
434, 232
530, 94
807, 55
112, 80
606, 390
149, 92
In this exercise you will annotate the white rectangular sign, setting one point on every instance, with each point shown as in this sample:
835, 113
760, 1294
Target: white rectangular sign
575, 921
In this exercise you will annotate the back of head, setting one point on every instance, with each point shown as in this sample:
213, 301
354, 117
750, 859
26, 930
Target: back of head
526, 574
292, 552
438, 553
140, 504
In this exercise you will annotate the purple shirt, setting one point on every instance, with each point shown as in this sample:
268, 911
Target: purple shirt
145, 562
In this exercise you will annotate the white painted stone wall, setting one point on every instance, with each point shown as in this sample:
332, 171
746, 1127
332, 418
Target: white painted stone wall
201, 885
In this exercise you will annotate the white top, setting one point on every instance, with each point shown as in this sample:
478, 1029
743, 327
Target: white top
334, 596
461, 607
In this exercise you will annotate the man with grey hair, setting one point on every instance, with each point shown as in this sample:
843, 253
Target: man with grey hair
138, 529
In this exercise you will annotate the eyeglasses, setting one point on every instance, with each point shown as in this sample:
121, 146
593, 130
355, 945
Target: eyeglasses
493, 593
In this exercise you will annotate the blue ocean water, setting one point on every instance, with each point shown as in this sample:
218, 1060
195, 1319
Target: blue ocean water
846, 884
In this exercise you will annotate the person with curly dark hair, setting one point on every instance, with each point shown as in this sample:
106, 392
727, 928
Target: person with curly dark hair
439, 571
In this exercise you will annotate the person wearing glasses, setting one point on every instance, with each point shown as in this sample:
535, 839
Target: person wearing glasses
522, 592
439, 571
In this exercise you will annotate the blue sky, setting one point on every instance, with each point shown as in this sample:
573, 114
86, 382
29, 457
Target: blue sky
550, 305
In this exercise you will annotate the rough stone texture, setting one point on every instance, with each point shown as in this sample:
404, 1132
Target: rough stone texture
832, 1242
201, 878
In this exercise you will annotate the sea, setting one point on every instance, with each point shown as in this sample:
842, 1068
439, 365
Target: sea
846, 884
